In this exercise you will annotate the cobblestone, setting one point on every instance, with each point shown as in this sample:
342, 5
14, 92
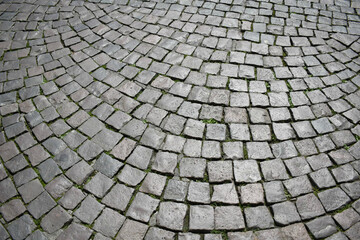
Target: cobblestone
179, 119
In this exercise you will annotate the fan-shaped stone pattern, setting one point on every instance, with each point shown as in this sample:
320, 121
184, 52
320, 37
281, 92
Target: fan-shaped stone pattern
180, 119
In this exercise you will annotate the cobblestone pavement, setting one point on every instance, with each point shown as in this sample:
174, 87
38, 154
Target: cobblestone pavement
179, 119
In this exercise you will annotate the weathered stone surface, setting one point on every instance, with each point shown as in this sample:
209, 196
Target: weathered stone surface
109, 222
258, 217
171, 215
201, 218
153, 119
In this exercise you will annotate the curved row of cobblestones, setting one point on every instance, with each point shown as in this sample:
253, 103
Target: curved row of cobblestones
179, 119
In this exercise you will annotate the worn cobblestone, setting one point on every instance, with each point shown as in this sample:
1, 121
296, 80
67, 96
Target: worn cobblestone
179, 119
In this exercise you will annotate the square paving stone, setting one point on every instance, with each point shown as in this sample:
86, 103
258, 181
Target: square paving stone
59, 127
216, 131
306, 147
89, 150
211, 149
283, 131
118, 197
298, 185
322, 178
345, 173
58, 186
194, 128
199, 192
240, 132
21, 227
79, 172
37, 154
36, 235
48, 170
352, 189
322, 227
89, 209
322, 125
284, 149
319, 161
235, 115
342, 138
260, 132
109, 222
55, 219
12, 209
54, 145
192, 167
72, 198
123, 149
8, 151
74, 139
274, 170
246, 171
142, 207
107, 139
258, 150
229, 218
233, 150
118, 120
258, 217
333, 199
174, 143
131, 176
31, 190
140, 157
107, 165
353, 232
174, 124
24, 176
132, 230
153, 184
165, 162
201, 217
225, 193
296, 231
66, 159
99, 185
153, 137
220, 171
347, 218
297, 166
76, 231
7, 190
25, 141
341, 156
171, 215
42, 131
192, 148
41, 205
158, 233
251, 193
176, 190
285, 213
15, 129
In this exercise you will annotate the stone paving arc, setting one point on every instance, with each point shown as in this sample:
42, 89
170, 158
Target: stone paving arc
180, 119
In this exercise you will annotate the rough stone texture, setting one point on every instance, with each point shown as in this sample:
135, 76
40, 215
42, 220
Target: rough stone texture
258, 217
109, 222
229, 218
322, 226
171, 215
332, 203
140, 119
201, 218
